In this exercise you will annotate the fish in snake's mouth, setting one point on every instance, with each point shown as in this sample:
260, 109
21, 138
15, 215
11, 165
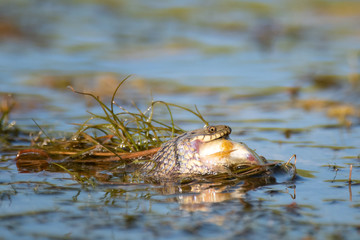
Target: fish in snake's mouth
202, 151
211, 133
216, 148
227, 153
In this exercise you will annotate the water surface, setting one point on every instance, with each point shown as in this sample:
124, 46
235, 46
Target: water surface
283, 74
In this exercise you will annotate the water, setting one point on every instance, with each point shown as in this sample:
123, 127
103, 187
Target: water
238, 62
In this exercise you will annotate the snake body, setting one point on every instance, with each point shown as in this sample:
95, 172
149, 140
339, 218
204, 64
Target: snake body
180, 155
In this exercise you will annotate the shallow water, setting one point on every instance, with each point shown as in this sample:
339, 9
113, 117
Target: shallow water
283, 74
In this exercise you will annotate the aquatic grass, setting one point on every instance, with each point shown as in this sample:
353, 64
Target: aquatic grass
7, 103
9, 132
118, 130
335, 148
305, 173
351, 157
251, 170
9, 216
83, 180
353, 181
344, 113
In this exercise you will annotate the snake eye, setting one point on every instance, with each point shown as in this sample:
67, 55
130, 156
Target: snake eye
212, 129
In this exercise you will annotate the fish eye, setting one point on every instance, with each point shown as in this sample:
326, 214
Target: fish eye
211, 129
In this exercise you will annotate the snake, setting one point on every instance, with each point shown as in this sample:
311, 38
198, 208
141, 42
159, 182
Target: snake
180, 155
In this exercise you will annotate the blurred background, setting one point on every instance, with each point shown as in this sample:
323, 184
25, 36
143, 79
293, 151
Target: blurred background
217, 54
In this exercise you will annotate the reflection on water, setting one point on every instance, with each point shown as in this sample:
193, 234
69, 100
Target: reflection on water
201, 196
195, 193
283, 74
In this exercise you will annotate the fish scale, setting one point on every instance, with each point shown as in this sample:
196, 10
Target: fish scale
180, 154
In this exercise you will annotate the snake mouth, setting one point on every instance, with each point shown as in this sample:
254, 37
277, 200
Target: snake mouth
211, 133
200, 141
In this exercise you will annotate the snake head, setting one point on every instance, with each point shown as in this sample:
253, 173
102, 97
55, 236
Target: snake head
209, 133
